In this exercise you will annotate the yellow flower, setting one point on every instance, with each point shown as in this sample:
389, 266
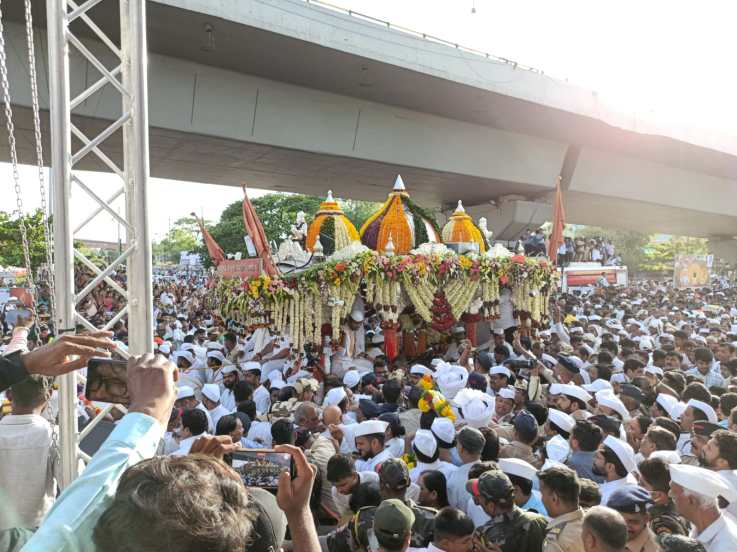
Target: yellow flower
465, 262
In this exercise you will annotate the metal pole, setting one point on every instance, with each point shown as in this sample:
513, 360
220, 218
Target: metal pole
135, 146
63, 252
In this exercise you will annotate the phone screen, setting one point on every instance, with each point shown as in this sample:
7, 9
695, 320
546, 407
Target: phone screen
107, 381
261, 467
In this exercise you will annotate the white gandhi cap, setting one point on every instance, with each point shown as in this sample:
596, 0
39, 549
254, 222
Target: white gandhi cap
623, 451
370, 427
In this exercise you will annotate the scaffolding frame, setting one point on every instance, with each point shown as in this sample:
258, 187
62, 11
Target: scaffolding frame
134, 175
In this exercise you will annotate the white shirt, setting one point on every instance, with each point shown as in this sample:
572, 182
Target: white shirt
457, 494
342, 502
262, 398
444, 467
218, 412
227, 400
370, 464
430, 548
720, 536
260, 432
395, 446
210, 425
476, 513
29, 466
185, 445
609, 487
730, 478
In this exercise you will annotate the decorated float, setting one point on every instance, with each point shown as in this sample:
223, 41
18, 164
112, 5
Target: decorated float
399, 267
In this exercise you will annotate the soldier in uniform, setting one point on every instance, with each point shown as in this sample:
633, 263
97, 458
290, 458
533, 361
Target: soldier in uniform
394, 481
655, 477
560, 488
510, 528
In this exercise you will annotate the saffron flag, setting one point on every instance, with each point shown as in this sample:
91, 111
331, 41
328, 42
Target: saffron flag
213, 249
255, 229
559, 223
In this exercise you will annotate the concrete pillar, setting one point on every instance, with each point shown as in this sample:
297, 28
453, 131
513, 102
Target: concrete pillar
724, 247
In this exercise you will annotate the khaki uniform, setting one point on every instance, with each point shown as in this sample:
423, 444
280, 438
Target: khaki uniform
515, 449
645, 542
564, 533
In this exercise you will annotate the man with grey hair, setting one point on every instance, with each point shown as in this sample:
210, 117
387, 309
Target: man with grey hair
695, 493
604, 530
470, 442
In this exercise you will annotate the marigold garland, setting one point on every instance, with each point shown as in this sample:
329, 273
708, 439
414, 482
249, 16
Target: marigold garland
299, 305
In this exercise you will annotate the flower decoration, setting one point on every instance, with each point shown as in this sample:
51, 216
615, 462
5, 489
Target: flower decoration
333, 228
434, 400
409, 459
400, 218
460, 228
426, 382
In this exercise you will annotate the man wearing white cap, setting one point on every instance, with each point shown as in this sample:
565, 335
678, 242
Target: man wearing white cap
504, 405
695, 410
416, 372
370, 436
425, 447
230, 378
215, 360
453, 352
188, 374
615, 461
261, 395
211, 400
523, 476
696, 493
186, 399
353, 341
377, 342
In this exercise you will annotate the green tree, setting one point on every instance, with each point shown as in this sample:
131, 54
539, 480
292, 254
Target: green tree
182, 236
660, 256
277, 212
11, 245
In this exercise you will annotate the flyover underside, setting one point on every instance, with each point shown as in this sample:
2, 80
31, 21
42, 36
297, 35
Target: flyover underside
198, 158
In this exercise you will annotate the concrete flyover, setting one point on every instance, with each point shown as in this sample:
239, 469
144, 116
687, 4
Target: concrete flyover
291, 96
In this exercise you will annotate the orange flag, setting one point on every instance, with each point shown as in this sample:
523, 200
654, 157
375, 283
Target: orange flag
213, 249
255, 229
559, 223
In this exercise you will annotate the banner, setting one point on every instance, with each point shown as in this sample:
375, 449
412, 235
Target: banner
245, 268
691, 271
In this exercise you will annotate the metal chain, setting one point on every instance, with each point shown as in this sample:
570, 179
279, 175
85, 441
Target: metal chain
39, 159
13, 153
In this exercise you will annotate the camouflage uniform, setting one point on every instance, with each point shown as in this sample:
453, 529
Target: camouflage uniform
665, 519
358, 534
515, 531
284, 409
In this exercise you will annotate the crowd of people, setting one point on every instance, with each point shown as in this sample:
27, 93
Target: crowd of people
572, 250
611, 427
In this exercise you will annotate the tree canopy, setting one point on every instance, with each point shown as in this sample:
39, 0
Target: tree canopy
277, 212
182, 236
11, 246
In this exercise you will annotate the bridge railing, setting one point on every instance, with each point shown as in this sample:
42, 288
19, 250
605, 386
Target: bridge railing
423, 36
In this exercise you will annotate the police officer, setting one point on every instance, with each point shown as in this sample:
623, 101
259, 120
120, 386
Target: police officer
393, 483
560, 488
510, 528
632, 501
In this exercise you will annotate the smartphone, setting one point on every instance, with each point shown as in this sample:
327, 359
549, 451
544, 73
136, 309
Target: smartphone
262, 467
107, 381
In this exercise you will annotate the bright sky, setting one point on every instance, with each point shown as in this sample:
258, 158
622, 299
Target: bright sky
664, 60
